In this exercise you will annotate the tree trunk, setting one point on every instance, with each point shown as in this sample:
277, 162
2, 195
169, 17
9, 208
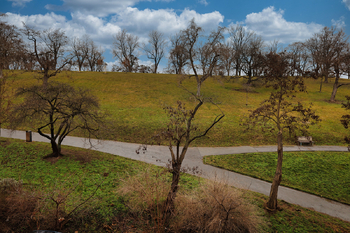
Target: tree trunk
272, 202
199, 84
56, 149
335, 87
321, 84
169, 203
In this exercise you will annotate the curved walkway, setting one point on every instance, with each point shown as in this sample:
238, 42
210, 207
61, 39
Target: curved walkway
159, 155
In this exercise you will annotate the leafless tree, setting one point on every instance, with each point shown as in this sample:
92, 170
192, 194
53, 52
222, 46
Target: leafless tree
124, 49
178, 57
226, 58
202, 56
80, 50
252, 56
155, 48
49, 50
239, 39
279, 113
12, 47
179, 134
58, 109
341, 49
299, 58
94, 56
324, 49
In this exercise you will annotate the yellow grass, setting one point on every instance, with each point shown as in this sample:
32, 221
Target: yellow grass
135, 102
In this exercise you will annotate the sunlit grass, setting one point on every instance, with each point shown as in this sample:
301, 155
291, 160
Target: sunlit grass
325, 174
135, 102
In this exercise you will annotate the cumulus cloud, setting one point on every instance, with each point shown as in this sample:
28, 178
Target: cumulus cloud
347, 3
19, 2
99, 8
166, 21
271, 25
204, 2
340, 23
100, 31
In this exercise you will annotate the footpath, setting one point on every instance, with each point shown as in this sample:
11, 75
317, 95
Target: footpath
160, 155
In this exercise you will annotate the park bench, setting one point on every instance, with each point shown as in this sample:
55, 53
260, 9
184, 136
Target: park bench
305, 140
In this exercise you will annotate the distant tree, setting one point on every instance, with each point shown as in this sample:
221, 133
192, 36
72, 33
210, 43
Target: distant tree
178, 57
12, 47
239, 39
125, 46
94, 56
341, 49
226, 60
80, 50
50, 47
299, 58
58, 109
324, 49
156, 48
144, 69
345, 119
252, 56
279, 113
202, 56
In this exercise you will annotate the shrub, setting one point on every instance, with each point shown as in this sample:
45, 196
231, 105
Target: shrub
212, 207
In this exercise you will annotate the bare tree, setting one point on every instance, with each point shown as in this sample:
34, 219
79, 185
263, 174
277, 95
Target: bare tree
94, 56
226, 58
341, 48
252, 56
155, 48
279, 113
12, 48
49, 50
207, 54
178, 57
60, 109
323, 47
299, 58
80, 50
179, 134
124, 49
239, 38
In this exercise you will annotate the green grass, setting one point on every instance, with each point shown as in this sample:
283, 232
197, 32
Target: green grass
326, 174
25, 161
135, 103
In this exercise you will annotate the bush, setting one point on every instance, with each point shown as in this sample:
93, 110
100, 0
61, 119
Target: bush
212, 207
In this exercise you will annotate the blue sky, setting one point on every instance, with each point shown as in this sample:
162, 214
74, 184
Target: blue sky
285, 20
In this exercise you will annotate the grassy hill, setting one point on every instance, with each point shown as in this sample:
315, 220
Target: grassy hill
135, 102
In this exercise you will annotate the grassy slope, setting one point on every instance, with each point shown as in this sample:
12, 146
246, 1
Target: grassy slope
25, 161
135, 102
325, 174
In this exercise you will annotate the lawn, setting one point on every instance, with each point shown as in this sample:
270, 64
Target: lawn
27, 162
135, 102
326, 174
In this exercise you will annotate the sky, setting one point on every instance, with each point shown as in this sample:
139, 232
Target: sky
286, 21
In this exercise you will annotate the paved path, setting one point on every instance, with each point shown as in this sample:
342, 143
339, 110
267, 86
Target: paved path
159, 155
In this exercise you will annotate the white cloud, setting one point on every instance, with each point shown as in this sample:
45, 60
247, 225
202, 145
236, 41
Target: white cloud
19, 2
340, 23
100, 8
271, 25
100, 31
204, 2
347, 3
164, 20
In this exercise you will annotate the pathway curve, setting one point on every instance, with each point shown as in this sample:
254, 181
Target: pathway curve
159, 155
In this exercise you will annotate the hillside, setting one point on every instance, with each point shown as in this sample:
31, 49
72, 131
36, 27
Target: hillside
135, 103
